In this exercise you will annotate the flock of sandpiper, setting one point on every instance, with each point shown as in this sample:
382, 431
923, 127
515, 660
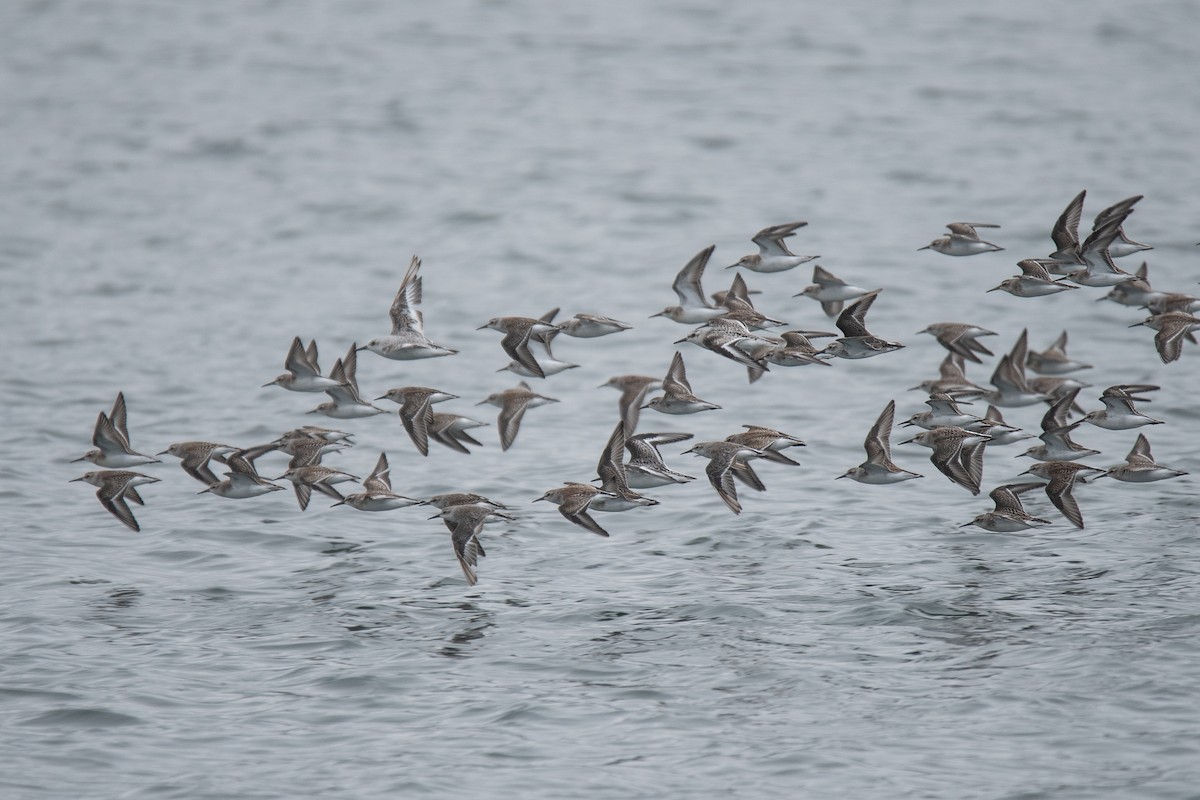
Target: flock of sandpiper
730, 326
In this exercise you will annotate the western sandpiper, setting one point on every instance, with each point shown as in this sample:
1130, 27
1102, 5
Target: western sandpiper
110, 438
1065, 232
1135, 293
722, 456
633, 389
589, 326
771, 442
115, 486
616, 494
444, 501
347, 402
573, 500
513, 403
723, 338
677, 397
773, 254
944, 412
957, 453
1054, 359
303, 372
1140, 466
1122, 245
465, 523
242, 480
416, 410
1001, 432
451, 430
693, 307
1173, 327
646, 468
1057, 444
1011, 389
1034, 281
517, 332
1118, 413
857, 341
194, 457
1099, 268
305, 479
951, 380
878, 469
1062, 476
963, 240
377, 494
831, 291
1009, 515
960, 338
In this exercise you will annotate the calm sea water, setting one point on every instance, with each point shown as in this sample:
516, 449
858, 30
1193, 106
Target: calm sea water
188, 186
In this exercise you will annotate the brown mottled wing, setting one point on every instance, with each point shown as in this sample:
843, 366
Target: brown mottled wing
404, 315
722, 480
1059, 492
878, 442
509, 421
687, 282
378, 482
119, 417
574, 508
111, 496
516, 344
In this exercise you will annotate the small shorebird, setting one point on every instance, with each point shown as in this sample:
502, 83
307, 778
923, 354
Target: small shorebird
830, 291
962, 240
573, 501
1009, 515
773, 254
960, 338
115, 486
633, 389
377, 494
303, 371
677, 397
305, 479
416, 410
1118, 413
693, 307
194, 457
513, 403
879, 469
242, 480
1057, 444
347, 402
1034, 281
957, 453
450, 430
110, 438
517, 332
1054, 359
589, 326
722, 457
1173, 327
1062, 476
1140, 466
465, 523
857, 341
646, 468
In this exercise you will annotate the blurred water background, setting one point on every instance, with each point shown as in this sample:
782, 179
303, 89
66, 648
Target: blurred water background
187, 186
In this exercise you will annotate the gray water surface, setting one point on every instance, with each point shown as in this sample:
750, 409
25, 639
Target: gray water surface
187, 186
